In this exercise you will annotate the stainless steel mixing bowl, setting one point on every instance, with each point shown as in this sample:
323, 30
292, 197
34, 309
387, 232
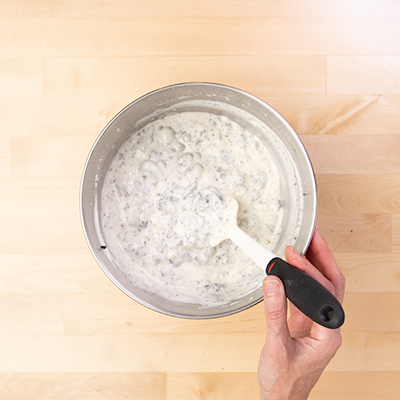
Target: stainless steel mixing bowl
297, 178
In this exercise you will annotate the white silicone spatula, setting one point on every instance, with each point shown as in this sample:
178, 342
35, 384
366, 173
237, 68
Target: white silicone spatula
307, 294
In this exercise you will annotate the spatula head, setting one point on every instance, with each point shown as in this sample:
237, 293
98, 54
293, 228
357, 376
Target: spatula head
222, 221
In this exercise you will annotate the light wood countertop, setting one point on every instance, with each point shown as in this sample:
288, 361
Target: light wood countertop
331, 68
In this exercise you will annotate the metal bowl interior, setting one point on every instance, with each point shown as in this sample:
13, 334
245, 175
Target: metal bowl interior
298, 183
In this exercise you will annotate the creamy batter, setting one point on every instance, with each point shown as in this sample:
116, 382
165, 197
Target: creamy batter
167, 193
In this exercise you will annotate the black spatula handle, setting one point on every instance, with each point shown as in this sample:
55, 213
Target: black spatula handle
307, 294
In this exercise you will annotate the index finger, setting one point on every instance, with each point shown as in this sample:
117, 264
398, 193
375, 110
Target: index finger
322, 258
331, 337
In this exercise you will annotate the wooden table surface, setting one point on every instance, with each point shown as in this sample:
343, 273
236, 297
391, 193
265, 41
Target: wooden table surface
330, 67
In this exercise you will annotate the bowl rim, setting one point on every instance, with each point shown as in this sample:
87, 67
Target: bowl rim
94, 251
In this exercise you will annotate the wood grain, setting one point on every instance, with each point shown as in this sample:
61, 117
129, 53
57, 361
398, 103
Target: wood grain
25, 9
106, 313
308, 114
331, 68
360, 233
53, 274
45, 156
222, 8
190, 386
178, 352
363, 74
359, 193
45, 117
359, 316
135, 352
21, 77
84, 76
377, 385
396, 234
69, 386
370, 272
42, 235
31, 318
5, 156
109, 313
119, 386
347, 154
340, 114
370, 385
172, 36
38, 196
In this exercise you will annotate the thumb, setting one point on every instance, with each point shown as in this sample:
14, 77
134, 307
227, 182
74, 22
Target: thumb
275, 306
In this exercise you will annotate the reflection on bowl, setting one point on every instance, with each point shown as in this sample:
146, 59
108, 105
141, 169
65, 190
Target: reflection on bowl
159, 118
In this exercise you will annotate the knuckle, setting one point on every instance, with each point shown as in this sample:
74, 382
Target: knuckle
342, 280
336, 343
275, 311
329, 285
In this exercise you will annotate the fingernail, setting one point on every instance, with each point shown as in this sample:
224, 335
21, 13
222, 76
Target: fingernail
271, 287
317, 231
293, 250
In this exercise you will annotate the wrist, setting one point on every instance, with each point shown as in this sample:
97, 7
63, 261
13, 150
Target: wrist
276, 392
282, 397
285, 392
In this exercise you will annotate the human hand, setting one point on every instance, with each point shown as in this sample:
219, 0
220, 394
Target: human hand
297, 350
